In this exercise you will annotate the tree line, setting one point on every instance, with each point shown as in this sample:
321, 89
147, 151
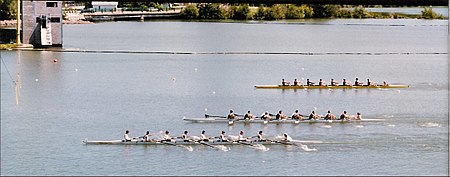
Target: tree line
290, 11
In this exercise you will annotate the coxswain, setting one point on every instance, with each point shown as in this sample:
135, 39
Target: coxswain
344, 116
357, 83
166, 136
203, 136
126, 137
261, 137
295, 82
296, 115
185, 137
321, 83
330, 116
241, 137
333, 83
313, 115
280, 116
358, 116
223, 137
231, 115
146, 137
248, 116
265, 116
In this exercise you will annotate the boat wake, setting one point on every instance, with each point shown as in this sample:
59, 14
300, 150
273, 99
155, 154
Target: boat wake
260, 147
326, 126
306, 148
430, 125
189, 148
359, 126
221, 147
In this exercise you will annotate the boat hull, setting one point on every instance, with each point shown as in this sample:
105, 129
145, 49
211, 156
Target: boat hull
137, 142
327, 87
289, 121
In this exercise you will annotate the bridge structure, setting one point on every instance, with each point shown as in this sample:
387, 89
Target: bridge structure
42, 19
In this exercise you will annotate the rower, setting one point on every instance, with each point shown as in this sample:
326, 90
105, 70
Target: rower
203, 136
357, 83
385, 83
185, 137
223, 137
166, 137
248, 116
308, 83
261, 137
321, 83
333, 83
232, 115
295, 82
329, 116
286, 138
284, 83
296, 115
280, 116
358, 116
313, 115
344, 116
146, 137
370, 83
345, 83
241, 137
126, 137
266, 116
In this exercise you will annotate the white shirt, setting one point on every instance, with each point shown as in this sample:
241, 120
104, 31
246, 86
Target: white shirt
241, 138
126, 137
166, 137
203, 137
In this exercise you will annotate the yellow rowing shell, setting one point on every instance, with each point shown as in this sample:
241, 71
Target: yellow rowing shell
327, 87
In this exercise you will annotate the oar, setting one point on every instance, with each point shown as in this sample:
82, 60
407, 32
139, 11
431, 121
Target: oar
223, 148
256, 146
179, 145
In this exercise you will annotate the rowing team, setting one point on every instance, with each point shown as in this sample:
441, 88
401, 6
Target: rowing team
333, 83
296, 116
203, 138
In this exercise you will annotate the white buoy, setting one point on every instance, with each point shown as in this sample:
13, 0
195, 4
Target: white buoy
213, 92
37, 80
206, 109
76, 69
195, 69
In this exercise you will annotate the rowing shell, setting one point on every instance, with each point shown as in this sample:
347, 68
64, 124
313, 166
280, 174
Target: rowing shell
328, 86
213, 120
135, 142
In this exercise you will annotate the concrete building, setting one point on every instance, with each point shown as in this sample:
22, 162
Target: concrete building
42, 23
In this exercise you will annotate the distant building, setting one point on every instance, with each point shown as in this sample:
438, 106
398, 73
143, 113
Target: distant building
42, 23
104, 6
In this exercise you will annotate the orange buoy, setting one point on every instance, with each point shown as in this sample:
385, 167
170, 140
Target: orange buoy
55, 60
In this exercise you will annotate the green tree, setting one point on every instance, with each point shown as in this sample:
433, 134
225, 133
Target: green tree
241, 12
307, 10
294, 12
190, 11
361, 12
261, 13
428, 13
211, 11
8, 9
276, 12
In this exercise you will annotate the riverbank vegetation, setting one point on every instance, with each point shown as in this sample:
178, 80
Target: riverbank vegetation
290, 11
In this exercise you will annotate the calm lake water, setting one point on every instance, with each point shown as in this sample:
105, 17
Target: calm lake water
164, 71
